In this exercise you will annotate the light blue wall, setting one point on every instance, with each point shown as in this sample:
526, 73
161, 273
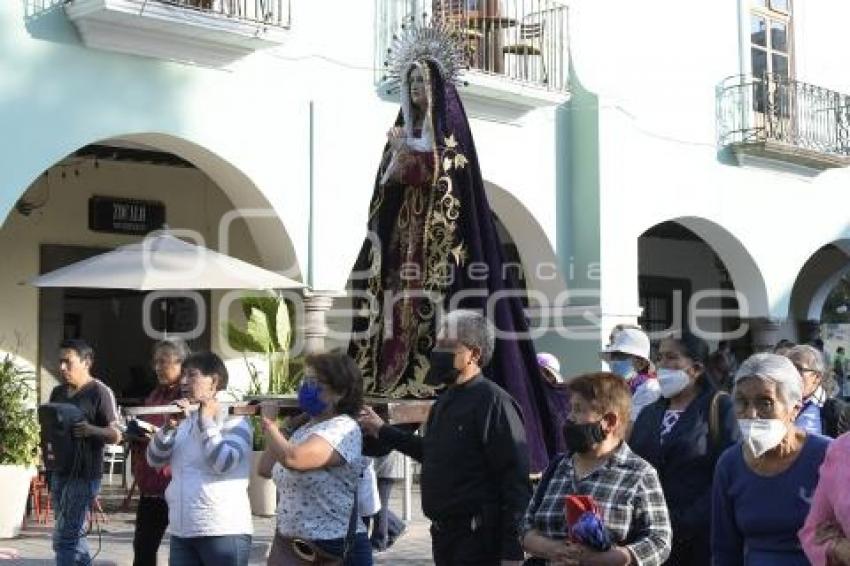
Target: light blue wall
57, 95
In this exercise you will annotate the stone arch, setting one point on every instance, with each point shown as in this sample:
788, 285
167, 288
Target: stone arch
743, 270
263, 238
273, 242
535, 249
816, 278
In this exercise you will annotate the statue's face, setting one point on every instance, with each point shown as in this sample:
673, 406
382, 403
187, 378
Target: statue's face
418, 89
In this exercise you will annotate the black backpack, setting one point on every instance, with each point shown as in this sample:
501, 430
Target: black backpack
835, 416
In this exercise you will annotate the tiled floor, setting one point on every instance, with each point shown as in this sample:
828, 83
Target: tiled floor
114, 540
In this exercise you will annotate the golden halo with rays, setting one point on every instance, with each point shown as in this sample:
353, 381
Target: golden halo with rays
438, 42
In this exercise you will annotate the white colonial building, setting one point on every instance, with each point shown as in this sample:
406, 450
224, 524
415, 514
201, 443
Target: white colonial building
637, 155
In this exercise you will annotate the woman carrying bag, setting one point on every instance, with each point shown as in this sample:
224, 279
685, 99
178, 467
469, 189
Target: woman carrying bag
317, 469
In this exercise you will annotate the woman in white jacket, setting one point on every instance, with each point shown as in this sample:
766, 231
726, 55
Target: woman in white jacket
209, 453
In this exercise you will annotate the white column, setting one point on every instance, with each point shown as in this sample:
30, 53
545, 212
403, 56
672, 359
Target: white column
316, 306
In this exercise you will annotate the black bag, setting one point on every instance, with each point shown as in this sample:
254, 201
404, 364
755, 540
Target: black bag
288, 551
835, 415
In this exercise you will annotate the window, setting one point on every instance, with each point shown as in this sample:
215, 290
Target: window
664, 301
769, 43
770, 54
777, 5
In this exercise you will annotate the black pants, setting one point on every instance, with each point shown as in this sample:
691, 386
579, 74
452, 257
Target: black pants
151, 521
459, 546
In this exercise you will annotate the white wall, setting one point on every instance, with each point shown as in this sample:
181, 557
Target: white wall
249, 128
254, 117
655, 66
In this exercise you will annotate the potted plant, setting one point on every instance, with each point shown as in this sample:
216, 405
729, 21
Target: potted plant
267, 334
19, 438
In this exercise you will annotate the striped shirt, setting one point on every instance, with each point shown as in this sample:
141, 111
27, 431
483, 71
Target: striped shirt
210, 461
224, 446
630, 500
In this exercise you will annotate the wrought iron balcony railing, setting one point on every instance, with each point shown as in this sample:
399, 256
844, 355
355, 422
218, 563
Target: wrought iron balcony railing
784, 118
521, 40
267, 12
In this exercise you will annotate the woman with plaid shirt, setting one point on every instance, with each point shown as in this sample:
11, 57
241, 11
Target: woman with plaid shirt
599, 464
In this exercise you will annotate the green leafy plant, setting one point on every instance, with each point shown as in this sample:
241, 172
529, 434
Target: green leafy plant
19, 431
267, 332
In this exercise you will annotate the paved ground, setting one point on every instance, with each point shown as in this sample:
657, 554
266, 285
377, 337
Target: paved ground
116, 538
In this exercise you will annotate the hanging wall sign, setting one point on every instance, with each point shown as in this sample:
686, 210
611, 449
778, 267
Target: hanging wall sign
125, 216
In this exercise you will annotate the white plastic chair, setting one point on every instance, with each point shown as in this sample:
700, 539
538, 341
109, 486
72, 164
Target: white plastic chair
112, 454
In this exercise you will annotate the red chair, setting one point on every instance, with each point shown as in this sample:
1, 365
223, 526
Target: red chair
39, 498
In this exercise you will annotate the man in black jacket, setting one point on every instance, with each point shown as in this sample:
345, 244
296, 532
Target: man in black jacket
474, 456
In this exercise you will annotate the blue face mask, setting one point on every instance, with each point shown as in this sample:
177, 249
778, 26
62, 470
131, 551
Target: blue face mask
309, 400
623, 368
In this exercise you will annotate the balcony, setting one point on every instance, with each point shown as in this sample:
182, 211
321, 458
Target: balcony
211, 33
782, 119
518, 50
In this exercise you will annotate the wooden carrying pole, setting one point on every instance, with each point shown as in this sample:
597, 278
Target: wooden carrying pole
394, 411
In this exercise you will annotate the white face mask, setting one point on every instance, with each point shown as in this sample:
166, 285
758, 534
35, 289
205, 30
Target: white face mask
672, 381
762, 435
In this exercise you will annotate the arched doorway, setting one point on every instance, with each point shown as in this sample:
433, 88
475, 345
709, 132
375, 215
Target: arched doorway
527, 249
820, 297
64, 216
695, 275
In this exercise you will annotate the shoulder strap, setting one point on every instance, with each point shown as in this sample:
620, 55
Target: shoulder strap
352, 526
714, 419
545, 479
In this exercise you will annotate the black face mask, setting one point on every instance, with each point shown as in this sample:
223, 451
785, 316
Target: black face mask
582, 437
442, 370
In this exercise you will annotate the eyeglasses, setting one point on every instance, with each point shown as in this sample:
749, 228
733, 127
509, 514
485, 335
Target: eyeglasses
802, 369
765, 407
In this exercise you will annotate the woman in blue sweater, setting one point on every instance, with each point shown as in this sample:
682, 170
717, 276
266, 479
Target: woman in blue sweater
682, 435
763, 486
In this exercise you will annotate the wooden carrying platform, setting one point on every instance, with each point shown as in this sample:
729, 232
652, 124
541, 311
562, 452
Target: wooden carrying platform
393, 411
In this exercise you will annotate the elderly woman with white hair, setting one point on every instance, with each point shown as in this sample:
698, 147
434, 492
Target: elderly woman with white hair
819, 414
763, 485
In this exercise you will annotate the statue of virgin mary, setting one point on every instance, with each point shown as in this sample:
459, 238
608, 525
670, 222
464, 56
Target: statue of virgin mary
433, 245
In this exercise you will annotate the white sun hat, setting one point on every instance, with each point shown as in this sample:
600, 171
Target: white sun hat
550, 363
628, 341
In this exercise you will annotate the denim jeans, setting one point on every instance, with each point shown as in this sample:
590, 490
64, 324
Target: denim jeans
72, 500
388, 527
229, 550
360, 553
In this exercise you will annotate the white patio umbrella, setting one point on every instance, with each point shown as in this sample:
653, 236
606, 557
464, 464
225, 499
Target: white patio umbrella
163, 262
